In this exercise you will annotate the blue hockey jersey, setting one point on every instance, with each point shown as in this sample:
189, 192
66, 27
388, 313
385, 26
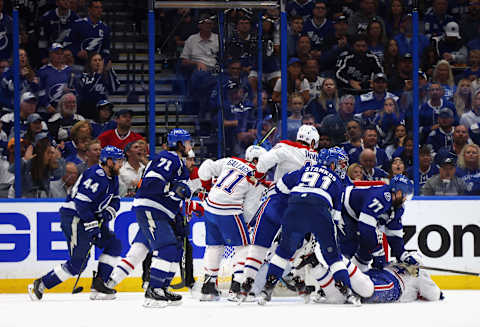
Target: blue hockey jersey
318, 33
316, 180
153, 193
6, 37
89, 37
56, 28
301, 9
7, 88
95, 87
53, 83
94, 196
387, 287
372, 206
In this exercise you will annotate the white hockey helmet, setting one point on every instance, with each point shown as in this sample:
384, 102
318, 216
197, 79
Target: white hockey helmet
254, 151
307, 134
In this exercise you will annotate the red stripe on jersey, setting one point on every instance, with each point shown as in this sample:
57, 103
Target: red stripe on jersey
241, 230
328, 283
384, 287
353, 272
128, 264
249, 164
254, 260
295, 144
224, 205
259, 217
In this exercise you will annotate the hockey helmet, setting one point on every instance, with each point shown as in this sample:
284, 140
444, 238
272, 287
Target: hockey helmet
111, 152
254, 151
402, 183
307, 134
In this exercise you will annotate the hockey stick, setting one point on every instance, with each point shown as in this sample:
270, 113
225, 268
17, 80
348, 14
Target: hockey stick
84, 263
450, 271
267, 135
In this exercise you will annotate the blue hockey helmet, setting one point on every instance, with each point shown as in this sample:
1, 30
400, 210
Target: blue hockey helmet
402, 183
342, 161
177, 135
322, 156
111, 152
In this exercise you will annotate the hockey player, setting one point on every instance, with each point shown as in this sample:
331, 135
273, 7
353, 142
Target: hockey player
84, 219
287, 156
366, 207
314, 193
156, 204
224, 221
396, 282
140, 249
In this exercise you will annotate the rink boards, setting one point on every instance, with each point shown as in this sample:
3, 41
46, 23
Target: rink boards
447, 232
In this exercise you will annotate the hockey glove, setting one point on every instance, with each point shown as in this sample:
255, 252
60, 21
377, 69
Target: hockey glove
411, 257
93, 229
193, 206
379, 260
108, 214
180, 191
207, 184
254, 177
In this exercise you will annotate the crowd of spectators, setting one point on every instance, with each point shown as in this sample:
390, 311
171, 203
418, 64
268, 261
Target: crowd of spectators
349, 73
66, 77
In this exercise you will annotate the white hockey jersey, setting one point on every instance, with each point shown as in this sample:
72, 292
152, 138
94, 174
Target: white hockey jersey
287, 156
228, 194
413, 287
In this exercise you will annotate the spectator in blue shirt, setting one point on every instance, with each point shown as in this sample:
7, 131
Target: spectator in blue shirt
442, 136
104, 121
405, 37
426, 169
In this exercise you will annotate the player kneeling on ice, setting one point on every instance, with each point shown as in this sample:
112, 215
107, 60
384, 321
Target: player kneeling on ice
156, 203
84, 219
224, 221
365, 209
314, 192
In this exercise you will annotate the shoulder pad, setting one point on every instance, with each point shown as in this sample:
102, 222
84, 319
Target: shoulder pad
100, 172
366, 97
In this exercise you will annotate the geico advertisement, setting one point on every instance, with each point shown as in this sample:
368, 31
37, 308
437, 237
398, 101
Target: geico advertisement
446, 232
31, 241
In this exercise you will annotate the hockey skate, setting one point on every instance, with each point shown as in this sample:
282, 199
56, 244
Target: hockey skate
234, 291
100, 291
266, 294
209, 291
160, 298
320, 296
245, 294
35, 290
350, 296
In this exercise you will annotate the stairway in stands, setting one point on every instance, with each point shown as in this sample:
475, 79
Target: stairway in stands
130, 61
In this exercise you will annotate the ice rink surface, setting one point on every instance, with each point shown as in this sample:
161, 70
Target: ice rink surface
459, 309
